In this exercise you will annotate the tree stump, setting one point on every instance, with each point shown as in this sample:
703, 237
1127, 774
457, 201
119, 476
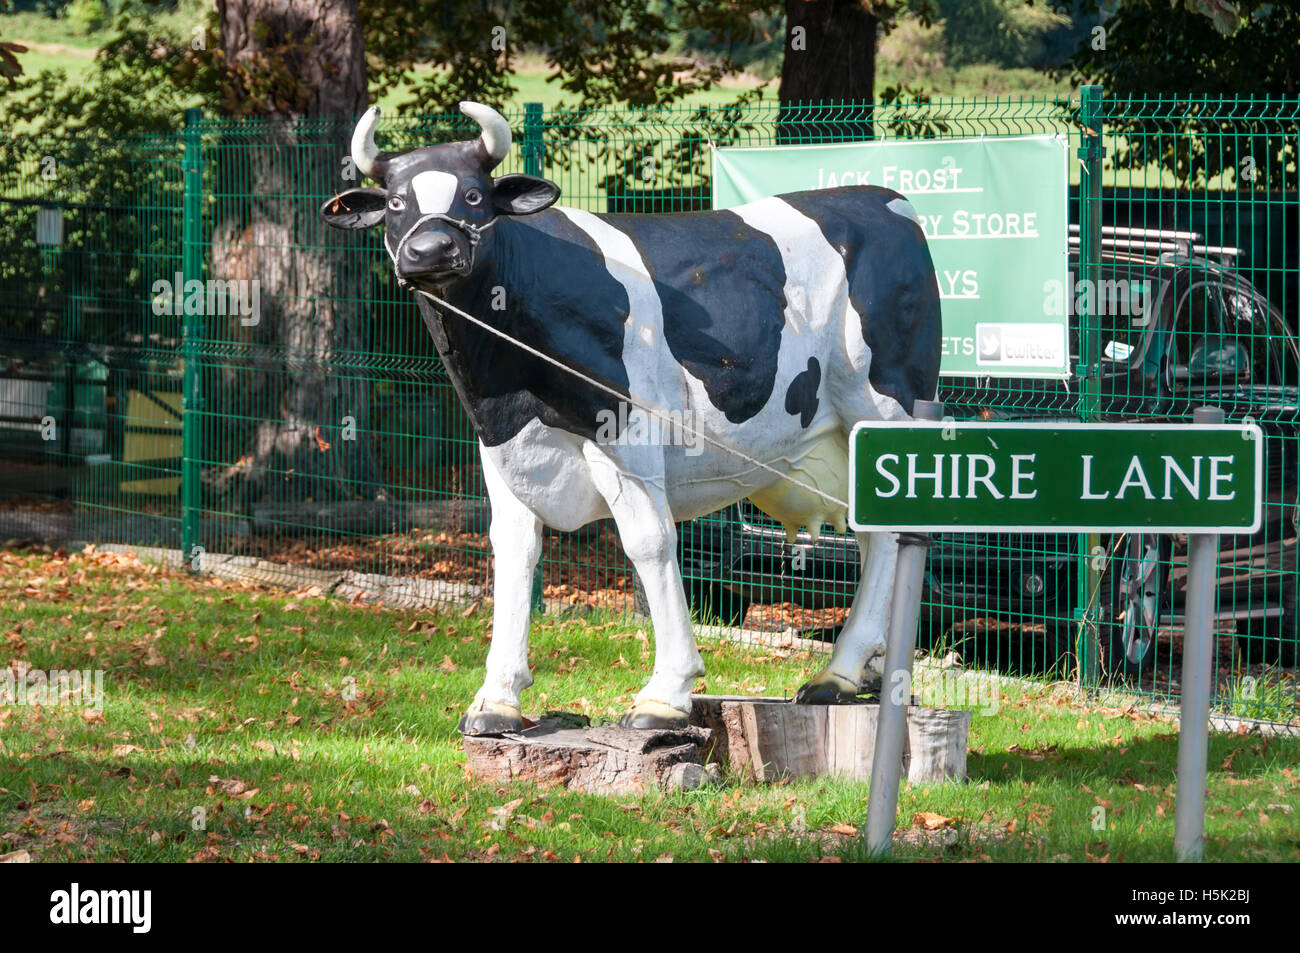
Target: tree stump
606, 760
765, 739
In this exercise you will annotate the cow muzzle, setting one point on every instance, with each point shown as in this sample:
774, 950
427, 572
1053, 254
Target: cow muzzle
435, 254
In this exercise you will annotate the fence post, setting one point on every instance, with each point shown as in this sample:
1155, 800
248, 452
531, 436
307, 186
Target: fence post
1089, 368
533, 149
1194, 719
896, 689
69, 407
532, 152
192, 328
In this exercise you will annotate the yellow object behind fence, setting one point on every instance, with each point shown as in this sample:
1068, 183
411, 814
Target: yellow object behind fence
153, 432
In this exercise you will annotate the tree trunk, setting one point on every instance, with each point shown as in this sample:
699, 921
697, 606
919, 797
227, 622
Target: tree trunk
830, 57
300, 66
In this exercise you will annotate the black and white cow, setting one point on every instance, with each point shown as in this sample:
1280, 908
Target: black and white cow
775, 326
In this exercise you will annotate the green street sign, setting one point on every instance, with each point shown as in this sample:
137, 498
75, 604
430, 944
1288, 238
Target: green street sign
982, 476
994, 213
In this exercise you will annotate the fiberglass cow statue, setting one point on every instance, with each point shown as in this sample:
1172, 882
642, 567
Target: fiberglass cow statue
767, 330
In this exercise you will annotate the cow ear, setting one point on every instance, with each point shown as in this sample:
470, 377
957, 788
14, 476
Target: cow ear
523, 194
355, 208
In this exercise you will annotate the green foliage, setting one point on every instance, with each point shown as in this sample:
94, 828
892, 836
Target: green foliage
1006, 32
88, 16
90, 148
1154, 48
598, 51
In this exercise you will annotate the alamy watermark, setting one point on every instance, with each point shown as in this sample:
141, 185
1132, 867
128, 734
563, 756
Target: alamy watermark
630, 426
948, 689
75, 688
212, 297
1123, 297
133, 908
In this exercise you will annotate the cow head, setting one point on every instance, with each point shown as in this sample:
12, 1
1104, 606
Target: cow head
436, 201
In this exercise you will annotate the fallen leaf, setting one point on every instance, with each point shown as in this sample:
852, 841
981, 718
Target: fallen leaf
232, 787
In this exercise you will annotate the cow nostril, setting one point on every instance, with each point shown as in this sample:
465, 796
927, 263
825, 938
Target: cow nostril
429, 244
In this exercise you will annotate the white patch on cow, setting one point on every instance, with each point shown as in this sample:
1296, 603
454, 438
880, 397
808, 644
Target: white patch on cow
652, 374
434, 191
544, 469
817, 269
904, 208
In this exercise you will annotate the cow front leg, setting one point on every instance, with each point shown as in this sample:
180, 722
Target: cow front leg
860, 649
645, 526
516, 536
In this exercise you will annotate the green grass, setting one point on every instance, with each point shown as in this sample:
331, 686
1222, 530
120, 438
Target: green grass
1262, 696
75, 65
35, 27
331, 731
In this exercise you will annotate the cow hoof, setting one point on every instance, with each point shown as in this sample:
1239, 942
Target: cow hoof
654, 716
490, 718
828, 689
872, 685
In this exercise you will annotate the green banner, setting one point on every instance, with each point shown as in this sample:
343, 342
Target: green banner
994, 212
1055, 477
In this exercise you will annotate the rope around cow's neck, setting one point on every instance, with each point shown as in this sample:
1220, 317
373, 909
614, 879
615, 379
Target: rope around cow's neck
659, 412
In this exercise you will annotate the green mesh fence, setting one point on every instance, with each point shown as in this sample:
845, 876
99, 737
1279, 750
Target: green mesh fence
302, 431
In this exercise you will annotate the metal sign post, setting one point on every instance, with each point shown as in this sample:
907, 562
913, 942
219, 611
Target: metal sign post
1193, 724
924, 476
896, 692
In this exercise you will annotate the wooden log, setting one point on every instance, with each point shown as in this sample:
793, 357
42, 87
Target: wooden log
728, 746
606, 760
936, 742
765, 739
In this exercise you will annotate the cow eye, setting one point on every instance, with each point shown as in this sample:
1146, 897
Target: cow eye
396, 203
473, 196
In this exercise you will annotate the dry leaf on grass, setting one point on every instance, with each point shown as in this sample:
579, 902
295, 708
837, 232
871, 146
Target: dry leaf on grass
926, 821
231, 787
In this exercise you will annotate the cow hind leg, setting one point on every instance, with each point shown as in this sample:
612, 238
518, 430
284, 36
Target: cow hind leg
860, 647
516, 536
645, 526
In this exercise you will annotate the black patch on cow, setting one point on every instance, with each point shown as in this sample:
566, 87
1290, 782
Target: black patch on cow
560, 299
801, 395
721, 285
892, 285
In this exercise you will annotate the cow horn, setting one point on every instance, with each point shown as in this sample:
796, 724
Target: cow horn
496, 131
364, 151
